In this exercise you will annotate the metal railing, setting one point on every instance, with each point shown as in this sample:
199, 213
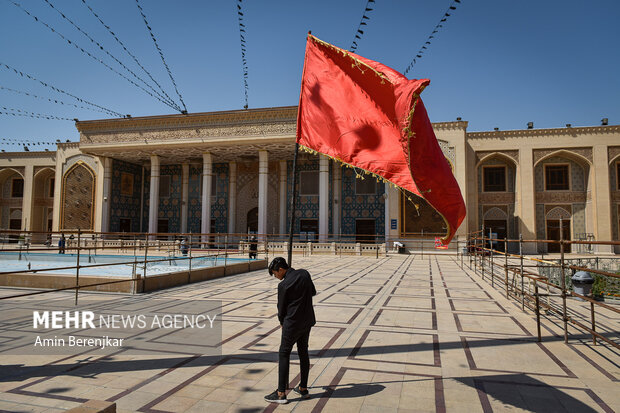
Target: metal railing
530, 275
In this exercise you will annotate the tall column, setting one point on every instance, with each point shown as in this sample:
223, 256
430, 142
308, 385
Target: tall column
283, 198
526, 195
386, 210
107, 192
184, 196
154, 195
232, 196
207, 174
337, 194
27, 198
392, 211
323, 198
601, 198
263, 170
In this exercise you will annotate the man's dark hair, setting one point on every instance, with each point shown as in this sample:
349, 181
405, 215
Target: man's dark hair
276, 264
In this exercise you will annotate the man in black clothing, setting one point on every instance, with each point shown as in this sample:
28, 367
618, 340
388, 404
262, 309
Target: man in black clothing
296, 315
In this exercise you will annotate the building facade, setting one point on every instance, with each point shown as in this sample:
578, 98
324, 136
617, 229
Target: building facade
231, 172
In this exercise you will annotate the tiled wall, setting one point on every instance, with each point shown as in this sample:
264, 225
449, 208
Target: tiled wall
577, 179
361, 206
125, 206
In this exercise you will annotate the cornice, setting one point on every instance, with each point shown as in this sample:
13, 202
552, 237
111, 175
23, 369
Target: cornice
179, 121
573, 131
34, 154
456, 125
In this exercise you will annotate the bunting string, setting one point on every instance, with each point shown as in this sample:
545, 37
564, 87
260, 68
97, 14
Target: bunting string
79, 29
72, 43
427, 43
161, 54
135, 59
27, 142
60, 102
244, 60
18, 112
55, 89
363, 22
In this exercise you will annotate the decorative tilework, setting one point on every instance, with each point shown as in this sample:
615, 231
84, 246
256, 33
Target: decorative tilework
307, 205
170, 207
125, 206
510, 173
578, 181
194, 208
361, 206
579, 219
540, 221
219, 203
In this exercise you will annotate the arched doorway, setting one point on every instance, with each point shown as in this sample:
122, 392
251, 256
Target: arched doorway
558, 219
78, 197
252, 220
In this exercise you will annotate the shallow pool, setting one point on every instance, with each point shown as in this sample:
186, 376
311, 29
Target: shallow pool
15, 261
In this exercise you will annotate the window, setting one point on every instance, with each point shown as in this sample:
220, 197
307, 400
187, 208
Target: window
366, 186
17, 188
309, 183
556, 177
494, 178
50, 192
164, 186
127, 184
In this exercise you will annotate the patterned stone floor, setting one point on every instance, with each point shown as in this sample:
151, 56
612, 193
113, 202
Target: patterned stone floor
393, 334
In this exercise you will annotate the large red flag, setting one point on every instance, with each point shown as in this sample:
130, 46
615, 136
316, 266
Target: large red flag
367, 115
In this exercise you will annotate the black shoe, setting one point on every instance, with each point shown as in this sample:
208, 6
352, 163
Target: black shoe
305, 394
275, 398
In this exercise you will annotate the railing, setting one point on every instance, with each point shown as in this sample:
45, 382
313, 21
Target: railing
523, 277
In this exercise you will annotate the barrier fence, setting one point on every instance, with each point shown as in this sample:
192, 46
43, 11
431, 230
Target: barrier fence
523, 277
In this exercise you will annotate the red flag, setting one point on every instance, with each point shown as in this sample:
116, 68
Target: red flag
367, 115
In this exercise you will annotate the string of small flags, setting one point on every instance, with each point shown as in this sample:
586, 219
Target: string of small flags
103, 49
244, 60
359, 33
135, 59
427, 43
81, 49
55, 89
24, 113
60, 102
161, 54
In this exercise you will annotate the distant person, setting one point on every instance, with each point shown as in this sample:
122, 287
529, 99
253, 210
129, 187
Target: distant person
296, 315
184, 247
62, 242
253, 247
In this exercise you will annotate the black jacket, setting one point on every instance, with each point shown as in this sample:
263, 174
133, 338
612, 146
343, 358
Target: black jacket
295, 292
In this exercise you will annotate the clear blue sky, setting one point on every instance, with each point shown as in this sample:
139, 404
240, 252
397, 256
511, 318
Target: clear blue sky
495, 63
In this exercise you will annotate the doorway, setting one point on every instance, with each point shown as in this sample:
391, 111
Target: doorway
365, 230
498, 228
553, 233
252, 220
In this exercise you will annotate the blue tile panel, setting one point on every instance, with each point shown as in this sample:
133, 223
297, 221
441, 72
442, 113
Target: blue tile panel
170, 206
219, 202
361, 206
125, 205
307, 205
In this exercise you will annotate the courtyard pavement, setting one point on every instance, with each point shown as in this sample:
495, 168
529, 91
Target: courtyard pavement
394, 334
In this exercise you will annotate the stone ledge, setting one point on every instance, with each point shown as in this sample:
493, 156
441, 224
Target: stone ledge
95, 406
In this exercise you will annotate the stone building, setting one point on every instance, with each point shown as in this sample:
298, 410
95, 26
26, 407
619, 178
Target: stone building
230, 172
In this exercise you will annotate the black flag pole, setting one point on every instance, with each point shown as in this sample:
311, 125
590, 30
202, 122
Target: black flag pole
294, 204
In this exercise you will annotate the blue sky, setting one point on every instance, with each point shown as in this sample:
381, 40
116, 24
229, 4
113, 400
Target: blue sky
495, 63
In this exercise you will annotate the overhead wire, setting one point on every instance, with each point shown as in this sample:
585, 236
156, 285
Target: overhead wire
359, 33
57, 101
244, 61
427, 43
135, 59
24, 113
55, 89
161, 54
89, 37
88, 53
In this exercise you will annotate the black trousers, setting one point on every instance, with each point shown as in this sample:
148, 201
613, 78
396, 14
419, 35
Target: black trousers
286, 346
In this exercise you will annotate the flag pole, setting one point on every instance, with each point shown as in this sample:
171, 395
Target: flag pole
294, 204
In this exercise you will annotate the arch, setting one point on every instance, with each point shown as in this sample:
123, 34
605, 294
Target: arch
46, 169
580, 159
450, 164
78, 197
498, 155
614, 159
557, 213
495, 213
4, 173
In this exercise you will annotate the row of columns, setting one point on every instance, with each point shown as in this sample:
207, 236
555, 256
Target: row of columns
263, 175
